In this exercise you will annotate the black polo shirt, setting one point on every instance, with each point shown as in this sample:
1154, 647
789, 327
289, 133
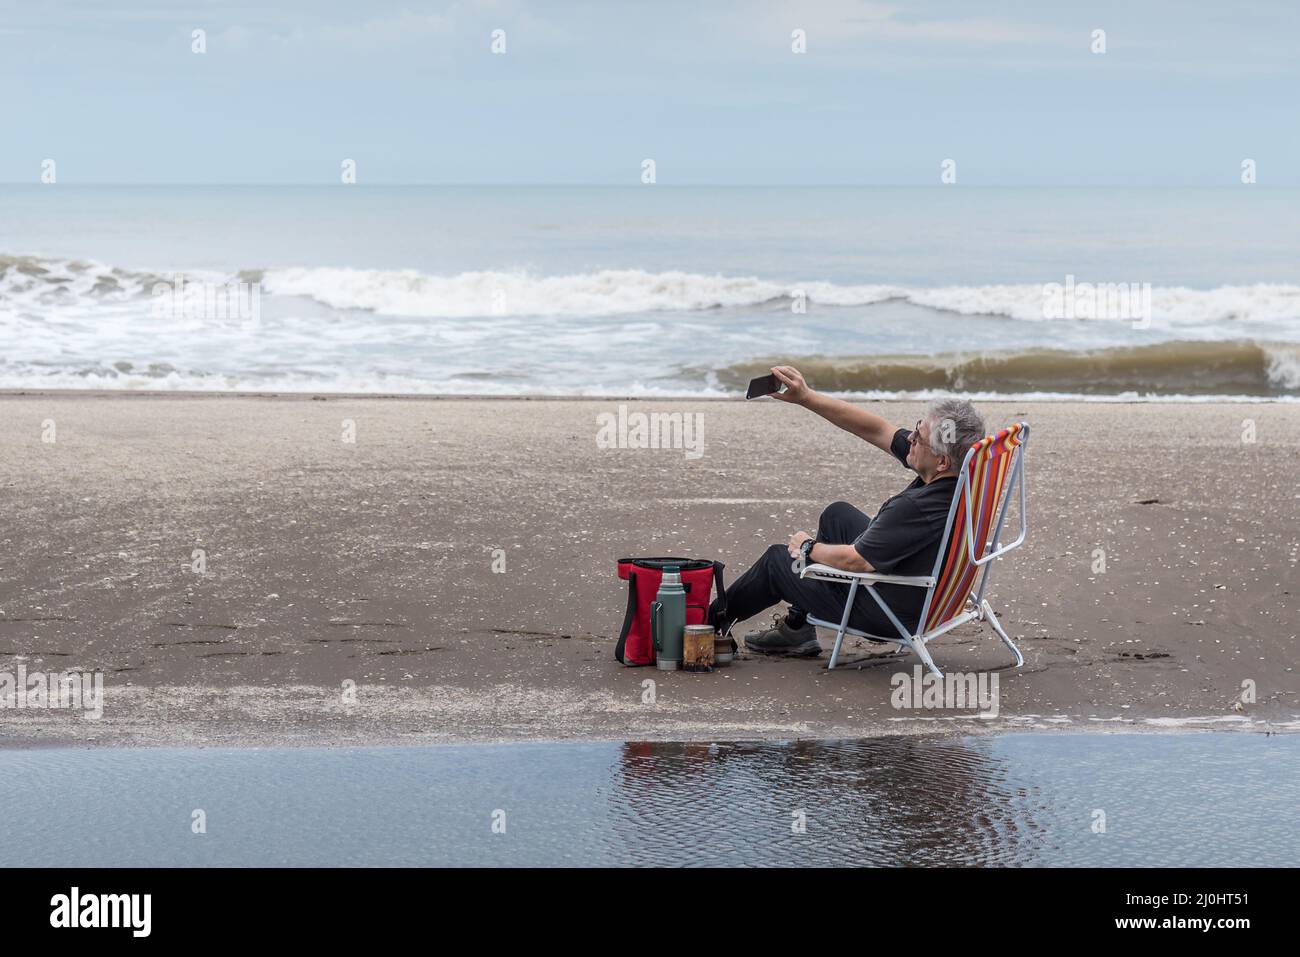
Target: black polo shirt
904, 537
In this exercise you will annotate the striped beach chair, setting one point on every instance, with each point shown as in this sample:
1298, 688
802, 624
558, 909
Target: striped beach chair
972, 539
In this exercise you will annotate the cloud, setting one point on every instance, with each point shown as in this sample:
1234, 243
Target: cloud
831, 23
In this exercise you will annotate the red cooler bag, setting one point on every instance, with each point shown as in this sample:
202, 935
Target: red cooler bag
635, 645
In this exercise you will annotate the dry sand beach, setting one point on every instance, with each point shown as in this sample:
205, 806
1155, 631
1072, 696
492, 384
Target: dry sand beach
372, 562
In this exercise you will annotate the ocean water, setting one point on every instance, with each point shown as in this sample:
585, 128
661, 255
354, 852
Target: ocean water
652, 290
1122, 800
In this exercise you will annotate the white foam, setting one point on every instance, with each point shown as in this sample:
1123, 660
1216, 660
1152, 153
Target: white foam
1283, 364
619, 292
1189, 722
605, 293
409, 292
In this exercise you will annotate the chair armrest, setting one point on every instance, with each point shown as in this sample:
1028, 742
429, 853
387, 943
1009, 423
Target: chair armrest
827, 573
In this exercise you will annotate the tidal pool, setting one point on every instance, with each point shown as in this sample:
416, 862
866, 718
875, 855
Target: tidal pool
1189, 799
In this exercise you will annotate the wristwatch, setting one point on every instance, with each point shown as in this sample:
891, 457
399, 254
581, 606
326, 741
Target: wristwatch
805, 549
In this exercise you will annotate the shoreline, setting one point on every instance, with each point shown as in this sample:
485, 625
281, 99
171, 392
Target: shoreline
371, 562
310, 717
49, 740
857, 397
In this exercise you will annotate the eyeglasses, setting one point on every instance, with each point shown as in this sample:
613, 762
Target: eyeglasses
915, 435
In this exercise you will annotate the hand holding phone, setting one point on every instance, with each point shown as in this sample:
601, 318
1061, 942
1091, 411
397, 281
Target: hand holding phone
796, 389
763, 385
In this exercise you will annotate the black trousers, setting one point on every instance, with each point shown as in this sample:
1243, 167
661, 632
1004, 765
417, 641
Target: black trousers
772, 579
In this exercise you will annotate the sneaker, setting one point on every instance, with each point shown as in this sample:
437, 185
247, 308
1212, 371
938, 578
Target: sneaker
781, 639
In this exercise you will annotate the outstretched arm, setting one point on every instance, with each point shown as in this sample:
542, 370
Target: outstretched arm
849, 417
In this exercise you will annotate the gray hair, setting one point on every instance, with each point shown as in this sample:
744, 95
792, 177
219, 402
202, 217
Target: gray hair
954, 427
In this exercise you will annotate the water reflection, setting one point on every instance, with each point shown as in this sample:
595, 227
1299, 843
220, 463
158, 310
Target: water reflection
885, 802
1172, 800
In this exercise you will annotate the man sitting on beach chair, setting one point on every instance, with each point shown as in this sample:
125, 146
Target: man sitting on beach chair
903, 538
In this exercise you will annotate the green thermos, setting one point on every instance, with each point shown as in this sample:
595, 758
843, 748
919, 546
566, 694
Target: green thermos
668, 620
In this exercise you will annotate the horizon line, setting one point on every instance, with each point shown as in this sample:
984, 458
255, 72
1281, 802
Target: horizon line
691, 185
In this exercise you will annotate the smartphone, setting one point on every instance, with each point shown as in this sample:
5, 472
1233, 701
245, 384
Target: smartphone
763, 385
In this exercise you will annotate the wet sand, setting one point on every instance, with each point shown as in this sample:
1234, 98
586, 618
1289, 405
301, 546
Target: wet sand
370, 564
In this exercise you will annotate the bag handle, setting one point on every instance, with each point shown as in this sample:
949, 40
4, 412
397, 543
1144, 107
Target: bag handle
722, 599
722, 589
627, 616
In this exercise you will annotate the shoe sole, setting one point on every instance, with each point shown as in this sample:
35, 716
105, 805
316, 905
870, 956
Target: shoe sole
809, 649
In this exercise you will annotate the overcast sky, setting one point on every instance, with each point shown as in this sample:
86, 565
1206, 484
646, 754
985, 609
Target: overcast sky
711, 91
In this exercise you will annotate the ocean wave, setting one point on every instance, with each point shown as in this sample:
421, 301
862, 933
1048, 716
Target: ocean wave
604, 293
34, 282
621, 292
1175, 371
1234, 367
